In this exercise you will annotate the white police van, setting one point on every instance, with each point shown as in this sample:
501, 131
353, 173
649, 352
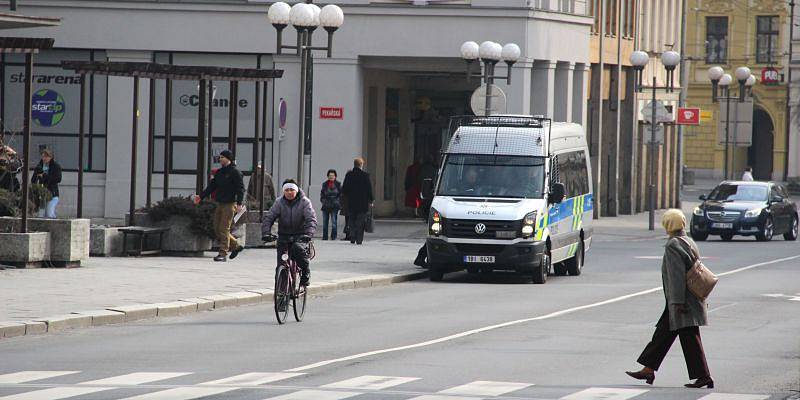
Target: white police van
513, 193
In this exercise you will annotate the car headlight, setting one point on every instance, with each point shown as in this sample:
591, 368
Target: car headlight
436, 222
753, 213
698, 211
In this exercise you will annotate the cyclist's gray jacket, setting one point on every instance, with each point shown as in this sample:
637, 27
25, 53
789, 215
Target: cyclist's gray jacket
296, 217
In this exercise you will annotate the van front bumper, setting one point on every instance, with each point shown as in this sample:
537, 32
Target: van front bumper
521, 257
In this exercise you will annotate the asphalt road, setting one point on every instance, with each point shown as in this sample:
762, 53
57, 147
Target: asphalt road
469, 337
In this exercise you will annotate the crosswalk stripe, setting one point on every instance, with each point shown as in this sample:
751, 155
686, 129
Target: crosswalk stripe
56, 393
486, 388
604, 394
186, 393
730, 396
443, 397
254, 378
136, 378
28, 376
316, 395
370, 382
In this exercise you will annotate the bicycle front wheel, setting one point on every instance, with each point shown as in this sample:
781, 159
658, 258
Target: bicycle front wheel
299, 302
282, 294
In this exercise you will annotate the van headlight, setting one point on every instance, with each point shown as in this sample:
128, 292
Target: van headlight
698, 211
528, 224
436, 222
753, 213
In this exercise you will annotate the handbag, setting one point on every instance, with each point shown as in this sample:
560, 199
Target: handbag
369, 225
699, 279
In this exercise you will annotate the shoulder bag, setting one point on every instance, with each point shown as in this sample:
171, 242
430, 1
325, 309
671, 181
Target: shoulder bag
699, 279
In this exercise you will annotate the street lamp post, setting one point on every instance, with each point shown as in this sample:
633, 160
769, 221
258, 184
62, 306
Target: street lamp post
305, 18
490, 53
670, 60
719, 79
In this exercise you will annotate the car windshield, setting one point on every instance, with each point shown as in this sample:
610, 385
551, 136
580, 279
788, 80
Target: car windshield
478, 175
730, 192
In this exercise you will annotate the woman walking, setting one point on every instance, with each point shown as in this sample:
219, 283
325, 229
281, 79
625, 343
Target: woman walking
330, 195
684, 312
48, 173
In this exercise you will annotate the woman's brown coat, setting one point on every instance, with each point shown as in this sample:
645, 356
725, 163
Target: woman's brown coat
676, 262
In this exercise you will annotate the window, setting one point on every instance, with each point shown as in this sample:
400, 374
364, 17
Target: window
766, 39
573, 173
716, 40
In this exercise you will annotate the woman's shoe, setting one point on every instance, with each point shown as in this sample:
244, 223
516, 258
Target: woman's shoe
702, 382
649, 378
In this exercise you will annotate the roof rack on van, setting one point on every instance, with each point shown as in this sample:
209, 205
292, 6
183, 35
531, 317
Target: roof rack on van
495, 133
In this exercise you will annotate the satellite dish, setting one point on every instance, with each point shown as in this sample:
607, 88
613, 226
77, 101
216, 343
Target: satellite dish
478, 101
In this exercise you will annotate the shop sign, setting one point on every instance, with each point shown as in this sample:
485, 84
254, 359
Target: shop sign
770, 76
688, 116
331, 113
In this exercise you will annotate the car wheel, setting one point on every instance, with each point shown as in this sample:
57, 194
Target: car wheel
727, 237
435, 274
698, 236
560, 269
575, 264
766, 231
792, 234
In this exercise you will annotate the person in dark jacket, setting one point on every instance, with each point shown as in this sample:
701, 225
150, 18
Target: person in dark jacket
330, 195
48, 173
228, 188
297, 223
358, 189
683, 314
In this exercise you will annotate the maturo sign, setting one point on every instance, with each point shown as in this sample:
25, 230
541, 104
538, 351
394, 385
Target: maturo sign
688, 116
331, 113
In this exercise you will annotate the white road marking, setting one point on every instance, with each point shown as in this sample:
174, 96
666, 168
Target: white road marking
136, 378
28, 376
437, 397
605, 394
370, 382
722, 307
316, 395
486, 388
252, 379
729, 396
185, 393
516, 322
55, 393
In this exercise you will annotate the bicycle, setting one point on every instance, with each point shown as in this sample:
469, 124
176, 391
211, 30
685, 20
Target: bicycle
287, 284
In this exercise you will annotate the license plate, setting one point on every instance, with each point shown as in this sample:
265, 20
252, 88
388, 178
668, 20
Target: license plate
479, 259
722, 225
505, 234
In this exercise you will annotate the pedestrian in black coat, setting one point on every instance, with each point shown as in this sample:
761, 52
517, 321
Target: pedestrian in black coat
48, 174
228, 187
357, 188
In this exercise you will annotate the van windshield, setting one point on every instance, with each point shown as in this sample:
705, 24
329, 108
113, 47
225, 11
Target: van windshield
477, 175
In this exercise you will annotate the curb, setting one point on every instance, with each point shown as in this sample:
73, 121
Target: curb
138, 312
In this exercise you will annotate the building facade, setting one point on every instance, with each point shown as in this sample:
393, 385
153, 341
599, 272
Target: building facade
395, 77
733, 34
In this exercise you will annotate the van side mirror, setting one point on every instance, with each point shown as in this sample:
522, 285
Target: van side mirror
557, 193
702, 197
427, 188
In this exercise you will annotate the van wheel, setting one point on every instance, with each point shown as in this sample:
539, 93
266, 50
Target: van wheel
540, 272
575, 264
560, 269
435, 274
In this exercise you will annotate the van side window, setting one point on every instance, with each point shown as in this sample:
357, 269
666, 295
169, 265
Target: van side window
573, 173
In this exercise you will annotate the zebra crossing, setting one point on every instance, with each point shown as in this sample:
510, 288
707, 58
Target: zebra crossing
50, 385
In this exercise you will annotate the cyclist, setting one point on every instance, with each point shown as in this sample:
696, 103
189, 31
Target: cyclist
297, 223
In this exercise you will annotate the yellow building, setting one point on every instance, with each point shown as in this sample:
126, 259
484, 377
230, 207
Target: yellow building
731, 34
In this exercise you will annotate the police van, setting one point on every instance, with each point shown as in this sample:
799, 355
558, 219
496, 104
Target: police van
513, 193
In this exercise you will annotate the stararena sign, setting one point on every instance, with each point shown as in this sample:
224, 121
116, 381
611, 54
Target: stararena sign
47, 108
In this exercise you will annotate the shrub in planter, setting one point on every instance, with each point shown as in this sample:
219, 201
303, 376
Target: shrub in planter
201, 216
38, 197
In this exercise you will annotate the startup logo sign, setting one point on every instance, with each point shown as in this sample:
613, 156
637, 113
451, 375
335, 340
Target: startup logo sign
47, 108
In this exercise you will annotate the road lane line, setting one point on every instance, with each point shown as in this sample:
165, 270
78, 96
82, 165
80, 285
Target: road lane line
486, 388
136, 378
316, 395
252, 379
443, 397
370, 382
28, 376
730, 396
515, 322
605, 394
56, 393
721, 307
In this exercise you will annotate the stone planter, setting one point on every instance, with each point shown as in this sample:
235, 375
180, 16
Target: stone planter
105, 242
69, 238
24, 250
179, 240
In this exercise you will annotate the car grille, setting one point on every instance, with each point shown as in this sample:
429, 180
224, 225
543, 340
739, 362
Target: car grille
724, 216
463, 228
479, 249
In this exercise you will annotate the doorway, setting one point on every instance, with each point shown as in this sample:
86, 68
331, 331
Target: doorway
760, 153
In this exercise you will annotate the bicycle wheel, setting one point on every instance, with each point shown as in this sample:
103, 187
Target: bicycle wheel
281, 294
299, 301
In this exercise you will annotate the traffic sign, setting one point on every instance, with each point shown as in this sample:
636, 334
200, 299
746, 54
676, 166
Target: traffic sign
662, 115
688, 116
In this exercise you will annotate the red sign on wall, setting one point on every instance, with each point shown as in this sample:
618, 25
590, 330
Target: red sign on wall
688, 116
331, 113
770, 76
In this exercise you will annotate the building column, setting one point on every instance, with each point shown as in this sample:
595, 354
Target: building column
543, 88
794, 128
595, 134
563, 92
627, 193
580, 93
